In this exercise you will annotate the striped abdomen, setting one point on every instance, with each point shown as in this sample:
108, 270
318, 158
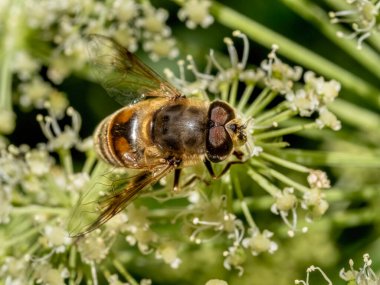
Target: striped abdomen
118, 138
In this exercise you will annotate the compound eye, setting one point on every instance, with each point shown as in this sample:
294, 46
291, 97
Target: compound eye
218, 144
220, 113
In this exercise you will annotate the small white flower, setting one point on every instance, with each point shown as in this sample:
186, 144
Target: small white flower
169, 254
318, 179
38, 161
315, 202
47, 275
196, 12
57, 238
158, 47
24, 65
93, 248
279, 76
125, 11
362, 276
58, 138
34, 93
363, 18
285, 201
153, 21
234, 258
260, 242
304, 102
328, 119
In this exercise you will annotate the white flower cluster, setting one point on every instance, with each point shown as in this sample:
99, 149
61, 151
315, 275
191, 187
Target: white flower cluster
363, 276
208, 219
305, 99
196, 12
363, 17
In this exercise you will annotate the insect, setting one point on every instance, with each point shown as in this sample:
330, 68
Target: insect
158, 131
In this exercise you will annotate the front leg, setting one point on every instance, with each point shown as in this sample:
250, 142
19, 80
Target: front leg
225, 169
177, 173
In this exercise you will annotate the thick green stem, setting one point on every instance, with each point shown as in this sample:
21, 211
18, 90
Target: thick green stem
331, 158
363, 118
295, 52
10, 40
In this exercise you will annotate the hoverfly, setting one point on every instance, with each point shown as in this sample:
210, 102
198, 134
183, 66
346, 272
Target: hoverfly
158, 131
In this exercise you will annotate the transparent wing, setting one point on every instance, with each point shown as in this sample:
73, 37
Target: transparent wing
104, 200
126, 78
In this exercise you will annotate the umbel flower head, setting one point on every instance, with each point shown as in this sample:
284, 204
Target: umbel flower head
268, 98
364, 18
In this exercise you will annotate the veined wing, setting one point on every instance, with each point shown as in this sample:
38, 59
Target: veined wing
125, 77
96, 207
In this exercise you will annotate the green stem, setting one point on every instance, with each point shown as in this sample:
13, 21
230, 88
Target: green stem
265, 102
89, 163
66, 160
245, 97
11, 39
359, 193
357, 217
283, 116
286, 180
124, 272
233, 92
252, 109
229, 196
284, 163
18, 239
314, 14
295, 52
285, 131
244, 206
262, 203
272, 112
331, 158
272, 145
363, 118
263, 182
33, 209
5, 83
224, 91
72, 264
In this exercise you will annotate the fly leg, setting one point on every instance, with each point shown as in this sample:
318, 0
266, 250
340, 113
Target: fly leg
225, 169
